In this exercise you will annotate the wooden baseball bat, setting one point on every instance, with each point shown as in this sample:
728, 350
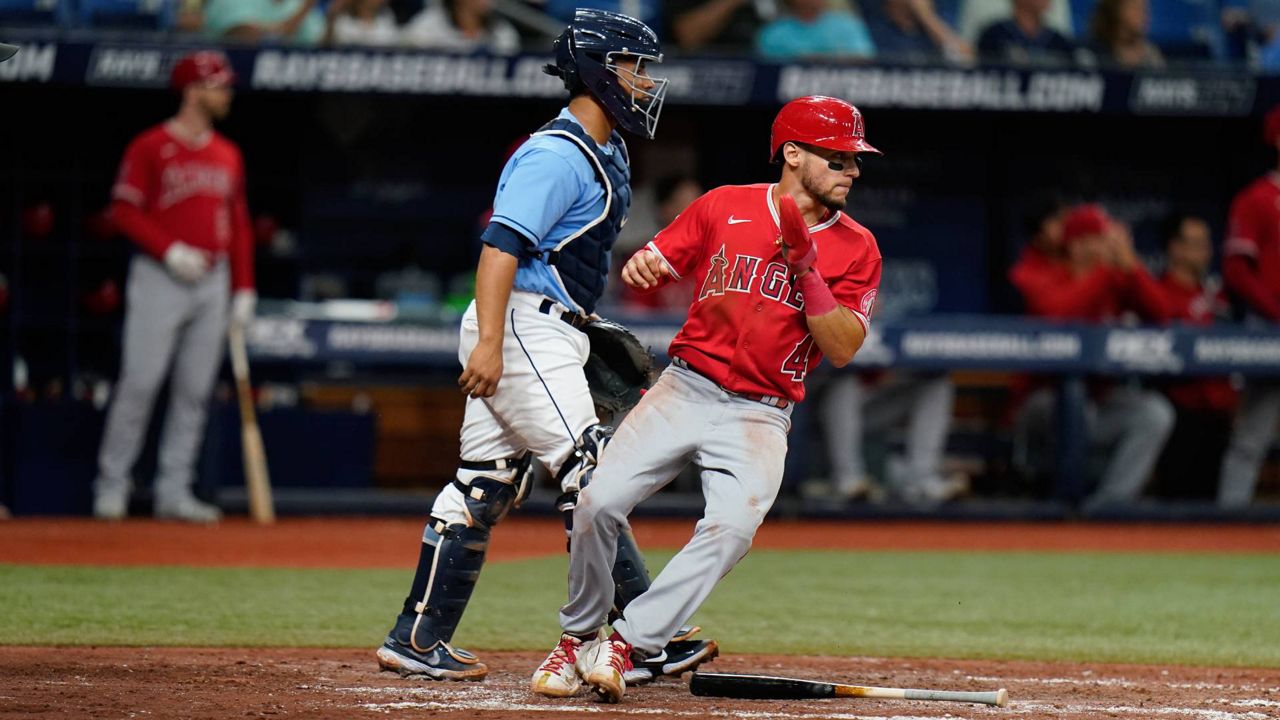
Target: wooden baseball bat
257, 481
778, 688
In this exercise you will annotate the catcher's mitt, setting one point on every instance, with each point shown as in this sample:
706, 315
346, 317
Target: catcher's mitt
618, 369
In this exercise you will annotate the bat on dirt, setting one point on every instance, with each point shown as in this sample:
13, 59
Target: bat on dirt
256, 479
778, 688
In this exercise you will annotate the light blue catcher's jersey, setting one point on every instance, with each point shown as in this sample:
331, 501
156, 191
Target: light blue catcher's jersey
548, 191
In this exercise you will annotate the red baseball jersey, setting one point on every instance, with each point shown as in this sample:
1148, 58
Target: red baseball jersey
1197, 306
168, 191
746, 328
1253, 230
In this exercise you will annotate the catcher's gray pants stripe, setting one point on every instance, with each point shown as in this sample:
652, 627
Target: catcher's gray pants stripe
1255, 428
166, 321
740, 444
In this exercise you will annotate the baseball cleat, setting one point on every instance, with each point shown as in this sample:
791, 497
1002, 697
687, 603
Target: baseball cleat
677, 658
607, 662
557, 676
110, 506
187, 508
441, 662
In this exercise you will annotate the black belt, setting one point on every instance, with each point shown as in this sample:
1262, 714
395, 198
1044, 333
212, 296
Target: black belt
577, 321
770, 400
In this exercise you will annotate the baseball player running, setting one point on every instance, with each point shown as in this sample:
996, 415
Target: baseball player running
180, 198
561, 200
764, 314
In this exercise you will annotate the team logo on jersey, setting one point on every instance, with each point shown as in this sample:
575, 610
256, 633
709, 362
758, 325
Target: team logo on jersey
738, 221
179, 181
869, 302
742, 274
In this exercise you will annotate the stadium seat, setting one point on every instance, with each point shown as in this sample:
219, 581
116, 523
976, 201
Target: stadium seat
147, 14
36, 12
1187, 28
1081, 17
948, 11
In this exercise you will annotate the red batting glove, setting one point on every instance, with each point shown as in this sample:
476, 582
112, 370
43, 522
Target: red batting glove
797, 245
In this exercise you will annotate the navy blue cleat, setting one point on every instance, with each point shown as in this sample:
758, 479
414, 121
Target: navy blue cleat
677, 658
438, 661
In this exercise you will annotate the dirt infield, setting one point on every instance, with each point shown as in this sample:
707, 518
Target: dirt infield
323, 684
383, 543
334, 684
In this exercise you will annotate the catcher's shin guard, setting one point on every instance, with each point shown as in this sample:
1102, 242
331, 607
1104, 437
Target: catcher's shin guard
453, 554
577, 470
451, 567
630, 576
631, 579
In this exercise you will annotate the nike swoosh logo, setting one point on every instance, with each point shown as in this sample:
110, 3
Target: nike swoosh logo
735, 221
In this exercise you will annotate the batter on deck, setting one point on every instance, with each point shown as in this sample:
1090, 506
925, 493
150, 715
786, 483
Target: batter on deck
180, 198
767, 308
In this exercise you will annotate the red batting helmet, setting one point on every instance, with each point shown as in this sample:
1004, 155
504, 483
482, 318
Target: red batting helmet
822, 121
208, 67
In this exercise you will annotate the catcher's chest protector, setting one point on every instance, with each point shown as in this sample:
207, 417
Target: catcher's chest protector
582, 262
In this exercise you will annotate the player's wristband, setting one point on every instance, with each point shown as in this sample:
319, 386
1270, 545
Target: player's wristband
818, 299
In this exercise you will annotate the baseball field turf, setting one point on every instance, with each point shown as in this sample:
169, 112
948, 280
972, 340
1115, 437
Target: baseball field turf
1187, 609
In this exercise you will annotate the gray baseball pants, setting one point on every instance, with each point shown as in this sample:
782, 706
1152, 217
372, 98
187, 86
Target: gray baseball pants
1251, 438
740, 445
170, 328
1130, 423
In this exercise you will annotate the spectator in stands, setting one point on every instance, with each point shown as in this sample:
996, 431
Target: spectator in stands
1251, 269
856, 405
812, 28
462, 26
976, 15
1190, 464
672, 194
298, 22
1119, 30
1098, 279
370, 23
1025, 38
726, 25
911, 30
189, 17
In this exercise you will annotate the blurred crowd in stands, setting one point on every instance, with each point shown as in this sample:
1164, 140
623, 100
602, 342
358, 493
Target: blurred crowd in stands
1128, 34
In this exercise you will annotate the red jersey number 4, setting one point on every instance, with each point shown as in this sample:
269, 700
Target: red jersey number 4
797, 363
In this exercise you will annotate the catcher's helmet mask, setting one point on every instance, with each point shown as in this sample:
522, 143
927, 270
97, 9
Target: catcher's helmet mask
587, 53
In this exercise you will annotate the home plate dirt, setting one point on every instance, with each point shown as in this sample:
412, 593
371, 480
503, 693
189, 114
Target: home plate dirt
332, 684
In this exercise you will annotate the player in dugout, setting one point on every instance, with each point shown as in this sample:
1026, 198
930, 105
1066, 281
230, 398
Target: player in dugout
1251, 269
1099, 278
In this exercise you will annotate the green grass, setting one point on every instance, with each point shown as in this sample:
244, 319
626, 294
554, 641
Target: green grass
1174, 609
